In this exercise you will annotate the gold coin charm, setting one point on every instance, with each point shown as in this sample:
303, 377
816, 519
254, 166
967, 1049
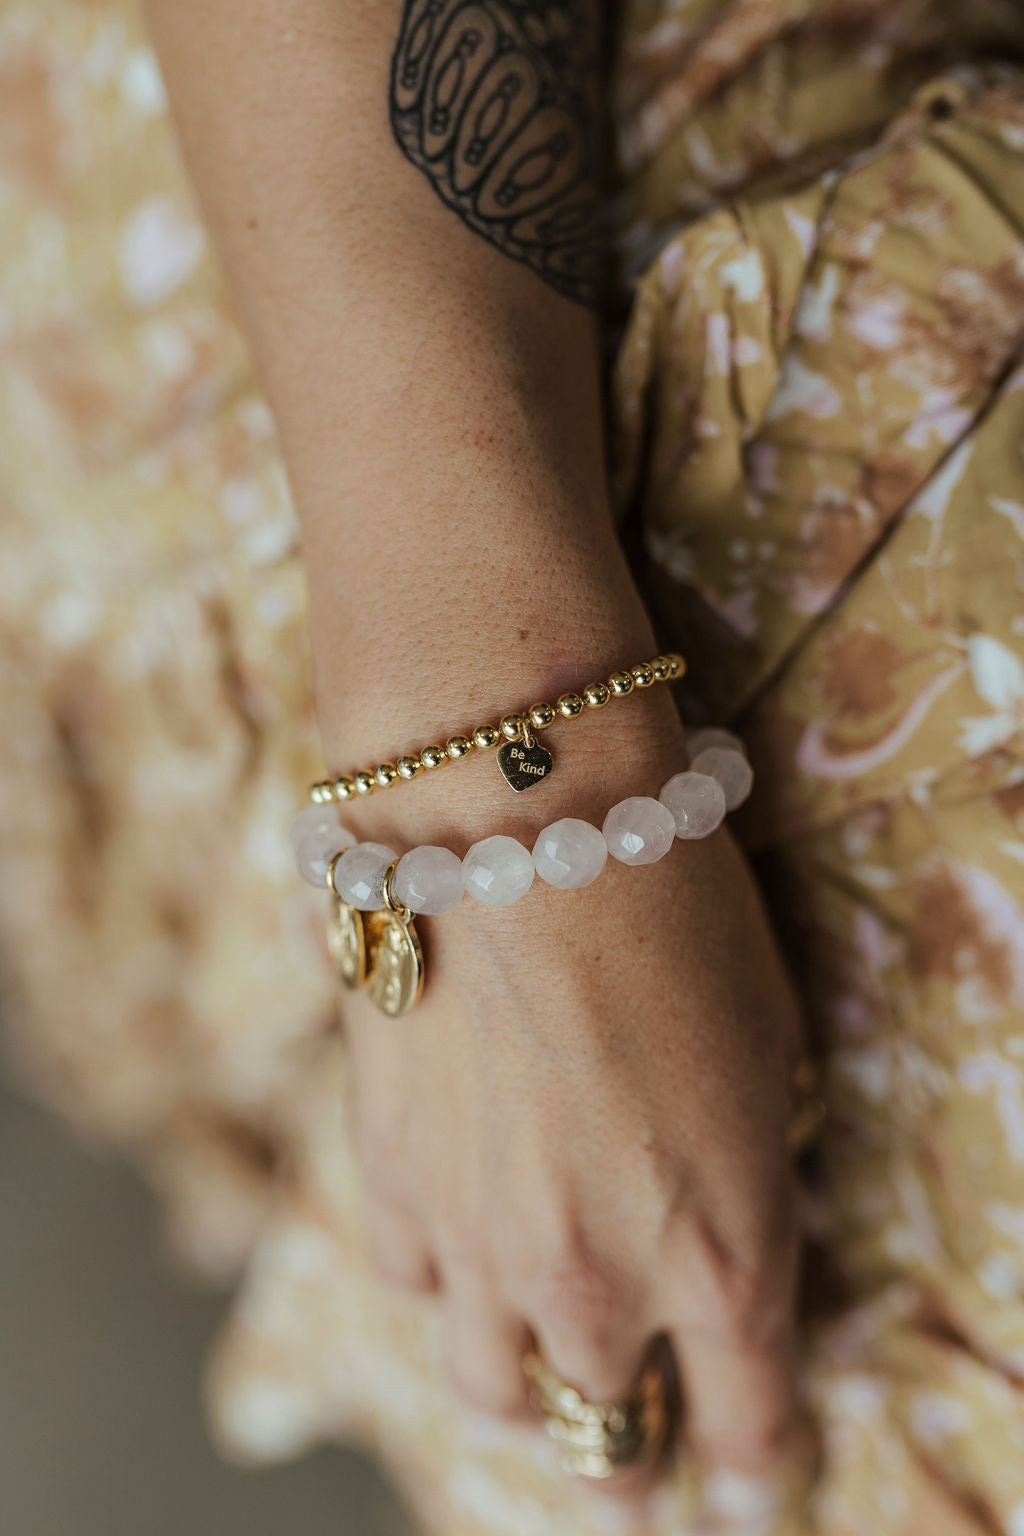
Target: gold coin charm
346, 942
394, 972
346, 939
394, 956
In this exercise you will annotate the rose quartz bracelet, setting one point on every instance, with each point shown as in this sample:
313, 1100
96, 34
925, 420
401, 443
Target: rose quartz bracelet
498, 871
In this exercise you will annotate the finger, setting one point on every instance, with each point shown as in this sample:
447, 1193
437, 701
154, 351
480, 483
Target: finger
604, 1369
598, 1347
484, 1344
731, 1321
399, 1250
630, 1482
591, 1330
396, 1236
741, 1410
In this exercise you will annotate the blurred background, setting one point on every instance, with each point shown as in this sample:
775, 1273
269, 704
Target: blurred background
100, 1370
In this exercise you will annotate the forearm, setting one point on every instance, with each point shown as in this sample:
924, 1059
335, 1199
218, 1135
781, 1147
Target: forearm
437, 397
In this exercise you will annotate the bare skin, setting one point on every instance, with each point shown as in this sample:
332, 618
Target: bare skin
580, 1133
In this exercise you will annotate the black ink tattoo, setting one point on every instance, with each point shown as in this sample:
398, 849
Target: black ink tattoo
492, 101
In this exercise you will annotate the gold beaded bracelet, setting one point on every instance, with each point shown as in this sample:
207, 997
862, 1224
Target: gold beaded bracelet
521, 760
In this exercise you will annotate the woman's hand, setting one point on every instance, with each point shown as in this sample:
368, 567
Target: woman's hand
580, 1132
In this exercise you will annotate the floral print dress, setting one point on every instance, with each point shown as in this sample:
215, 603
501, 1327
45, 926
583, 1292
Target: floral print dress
819, 455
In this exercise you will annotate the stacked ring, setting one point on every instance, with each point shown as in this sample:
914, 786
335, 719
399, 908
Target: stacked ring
598, 1439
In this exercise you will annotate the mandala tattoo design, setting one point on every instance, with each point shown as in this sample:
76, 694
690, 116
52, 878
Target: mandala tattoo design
492, 101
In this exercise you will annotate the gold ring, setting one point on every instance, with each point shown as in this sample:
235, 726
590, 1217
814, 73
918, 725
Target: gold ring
597, 1439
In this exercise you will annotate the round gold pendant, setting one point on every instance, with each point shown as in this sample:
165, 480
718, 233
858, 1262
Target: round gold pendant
346, 942
394, 962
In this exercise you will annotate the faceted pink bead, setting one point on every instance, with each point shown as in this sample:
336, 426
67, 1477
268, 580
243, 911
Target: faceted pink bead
713, 736
316, 849
730, 769
569, 854
497, 871
315, 818
697, 803
429, 880
639, 830
359, 875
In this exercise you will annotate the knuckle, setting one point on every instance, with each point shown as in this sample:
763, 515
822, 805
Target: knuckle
403, 1272
487, 1394
756, 1304
747, 1290
463, 1248
750, 1447
396, 1252
381, 1169
742, 1294
572, 1294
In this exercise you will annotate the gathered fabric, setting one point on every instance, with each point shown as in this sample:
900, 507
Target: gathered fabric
818, 457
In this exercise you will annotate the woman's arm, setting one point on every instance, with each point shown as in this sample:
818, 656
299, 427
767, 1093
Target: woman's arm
437, 400
580, 1133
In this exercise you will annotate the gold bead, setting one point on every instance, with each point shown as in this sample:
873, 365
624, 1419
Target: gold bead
320, 794
621, 682
486, 736
409, 765
511, 727
596, 695
676, 664
660, 668
541, 715
643, 675
345, 787
458, 746
365, 782
385, 774
569, 705
433, 757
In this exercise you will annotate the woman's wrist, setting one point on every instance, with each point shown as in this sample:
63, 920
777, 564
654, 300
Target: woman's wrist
629, 748
391, 682
515, 613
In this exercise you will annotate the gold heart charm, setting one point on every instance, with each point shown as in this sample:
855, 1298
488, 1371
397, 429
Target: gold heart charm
524, 766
